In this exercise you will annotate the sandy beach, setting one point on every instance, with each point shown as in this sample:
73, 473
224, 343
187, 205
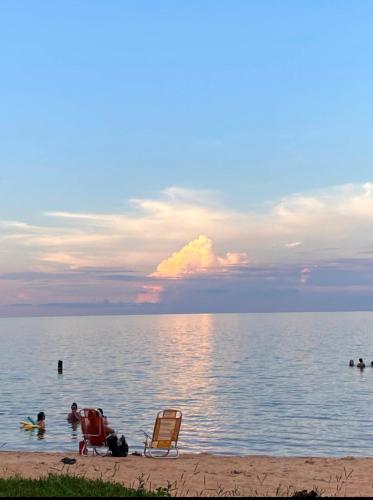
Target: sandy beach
208, 475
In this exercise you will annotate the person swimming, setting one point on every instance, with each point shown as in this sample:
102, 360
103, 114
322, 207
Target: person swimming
41, 420
361, 363
73, 416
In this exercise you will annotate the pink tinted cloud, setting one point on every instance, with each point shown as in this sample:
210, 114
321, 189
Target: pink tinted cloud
304, 275
149, 294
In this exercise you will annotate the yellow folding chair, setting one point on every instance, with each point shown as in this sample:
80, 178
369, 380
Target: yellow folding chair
163, 443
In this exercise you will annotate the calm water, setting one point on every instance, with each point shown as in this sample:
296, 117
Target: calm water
274, 384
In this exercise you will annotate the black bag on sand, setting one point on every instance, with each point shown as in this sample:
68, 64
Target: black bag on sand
118, 447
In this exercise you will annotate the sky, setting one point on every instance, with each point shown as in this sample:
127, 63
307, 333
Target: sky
185, 157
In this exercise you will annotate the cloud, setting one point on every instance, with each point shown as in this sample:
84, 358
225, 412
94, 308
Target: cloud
338, 218
304, 275
195, 258
150, 294
344, 284
293, 244
80, 285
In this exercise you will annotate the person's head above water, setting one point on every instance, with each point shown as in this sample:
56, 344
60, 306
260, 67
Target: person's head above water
41, 416
74, 415
360, 360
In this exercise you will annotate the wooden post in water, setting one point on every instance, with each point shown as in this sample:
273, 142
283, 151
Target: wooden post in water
60, 367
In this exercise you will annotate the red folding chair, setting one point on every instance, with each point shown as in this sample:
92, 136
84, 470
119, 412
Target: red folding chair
94, 433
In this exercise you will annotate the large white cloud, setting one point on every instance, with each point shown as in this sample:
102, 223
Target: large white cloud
197, 257
331, 223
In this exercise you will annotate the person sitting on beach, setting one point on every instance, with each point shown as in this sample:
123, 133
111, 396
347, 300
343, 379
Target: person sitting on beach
41, 420
94, 428
73, 416
108, 429
361, 363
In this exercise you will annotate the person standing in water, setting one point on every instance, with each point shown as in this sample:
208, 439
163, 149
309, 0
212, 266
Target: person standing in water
361, 363
73, 417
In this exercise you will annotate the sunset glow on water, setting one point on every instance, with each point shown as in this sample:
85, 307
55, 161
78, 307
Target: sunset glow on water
274, 384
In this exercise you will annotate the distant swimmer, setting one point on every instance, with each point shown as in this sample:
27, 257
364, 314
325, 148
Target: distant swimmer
371, 364
30, 424
41, 420
361, 363
351, 363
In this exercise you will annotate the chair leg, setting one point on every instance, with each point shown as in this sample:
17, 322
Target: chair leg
165, 454
97, 452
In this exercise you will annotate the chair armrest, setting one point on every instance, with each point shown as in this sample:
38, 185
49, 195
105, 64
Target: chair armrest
147, 437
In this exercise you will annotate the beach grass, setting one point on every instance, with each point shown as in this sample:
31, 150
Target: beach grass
63, 485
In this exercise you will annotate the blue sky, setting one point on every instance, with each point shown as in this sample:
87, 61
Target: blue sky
233, 106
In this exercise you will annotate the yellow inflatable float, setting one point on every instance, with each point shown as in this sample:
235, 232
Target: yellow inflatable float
29, 424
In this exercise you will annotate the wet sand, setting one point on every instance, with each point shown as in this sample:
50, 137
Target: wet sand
208, 475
